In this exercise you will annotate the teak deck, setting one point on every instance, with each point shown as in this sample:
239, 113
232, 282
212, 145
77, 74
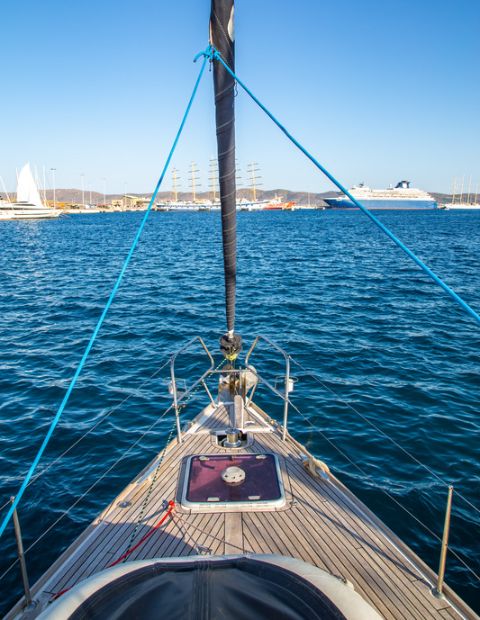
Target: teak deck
322, 523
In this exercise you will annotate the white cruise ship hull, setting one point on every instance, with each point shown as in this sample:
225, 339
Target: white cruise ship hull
382, 204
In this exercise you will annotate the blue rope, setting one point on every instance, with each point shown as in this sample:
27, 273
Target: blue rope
214, 54
105, 310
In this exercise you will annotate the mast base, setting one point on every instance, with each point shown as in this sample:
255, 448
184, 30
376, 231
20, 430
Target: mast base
230, 346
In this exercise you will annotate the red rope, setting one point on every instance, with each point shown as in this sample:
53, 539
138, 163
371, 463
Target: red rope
171, 506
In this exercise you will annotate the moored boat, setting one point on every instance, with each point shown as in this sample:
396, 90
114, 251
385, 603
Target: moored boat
277, 204
400, 197
461, 206
28, 205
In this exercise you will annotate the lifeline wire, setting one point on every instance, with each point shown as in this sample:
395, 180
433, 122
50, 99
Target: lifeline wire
385, 492
97, 481
213, 53
379, 430
55, 420
186, 395
85, 493
106, 415
366, 475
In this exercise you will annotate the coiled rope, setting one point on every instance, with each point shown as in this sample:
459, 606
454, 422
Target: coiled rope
213, 53
116, 286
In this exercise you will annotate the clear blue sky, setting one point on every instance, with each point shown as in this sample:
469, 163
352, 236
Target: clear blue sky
378, 89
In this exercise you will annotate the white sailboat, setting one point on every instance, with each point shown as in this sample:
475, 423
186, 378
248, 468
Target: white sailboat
29, 205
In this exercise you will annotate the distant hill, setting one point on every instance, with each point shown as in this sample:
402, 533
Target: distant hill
74, 195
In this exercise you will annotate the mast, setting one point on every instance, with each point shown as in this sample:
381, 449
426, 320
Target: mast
4, 189
194, 180
222, 38
461, 191
44, 186
252, 170
82, 176
254, 179
175, 179
238, 174
213, 178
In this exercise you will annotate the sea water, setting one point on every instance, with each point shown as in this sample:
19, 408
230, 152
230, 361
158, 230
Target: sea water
393, 407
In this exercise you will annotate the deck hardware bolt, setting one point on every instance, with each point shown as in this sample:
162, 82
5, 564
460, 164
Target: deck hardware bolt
203, 550
438, 591
21, 556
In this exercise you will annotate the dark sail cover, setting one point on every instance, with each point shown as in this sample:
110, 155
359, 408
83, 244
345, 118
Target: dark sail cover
222, 38
207, 590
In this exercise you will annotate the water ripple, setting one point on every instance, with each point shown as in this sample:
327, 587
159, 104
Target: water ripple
328, 286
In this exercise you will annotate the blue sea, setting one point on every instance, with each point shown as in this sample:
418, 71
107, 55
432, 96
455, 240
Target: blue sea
395, 362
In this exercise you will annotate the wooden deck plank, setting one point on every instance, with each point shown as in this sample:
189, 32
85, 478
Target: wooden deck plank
398, 570
413, 605
112, 541
254, 540
233, 533
340, 562
348, 540
320, 524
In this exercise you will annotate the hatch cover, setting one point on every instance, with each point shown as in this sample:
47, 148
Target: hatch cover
221, 482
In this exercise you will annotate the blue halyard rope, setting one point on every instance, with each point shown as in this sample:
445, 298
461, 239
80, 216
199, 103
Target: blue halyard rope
105, 310
212, 53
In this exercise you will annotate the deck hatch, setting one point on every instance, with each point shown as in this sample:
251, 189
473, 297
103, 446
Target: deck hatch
216, 481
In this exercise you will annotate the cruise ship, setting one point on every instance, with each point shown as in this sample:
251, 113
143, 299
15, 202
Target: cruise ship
402, 196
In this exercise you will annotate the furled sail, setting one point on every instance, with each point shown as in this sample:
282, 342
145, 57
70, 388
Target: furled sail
27, 191
222, 39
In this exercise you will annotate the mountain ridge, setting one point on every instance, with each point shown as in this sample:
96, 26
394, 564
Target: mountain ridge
74, 196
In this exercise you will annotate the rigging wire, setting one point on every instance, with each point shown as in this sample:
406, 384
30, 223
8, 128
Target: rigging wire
363, 472
147, 497
182, 401
90, 488
215, 54
385, 492
366, 474
377, 428
108, 413
93, 337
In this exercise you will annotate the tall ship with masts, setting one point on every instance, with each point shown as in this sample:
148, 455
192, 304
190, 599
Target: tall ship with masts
463, 201
234, 517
